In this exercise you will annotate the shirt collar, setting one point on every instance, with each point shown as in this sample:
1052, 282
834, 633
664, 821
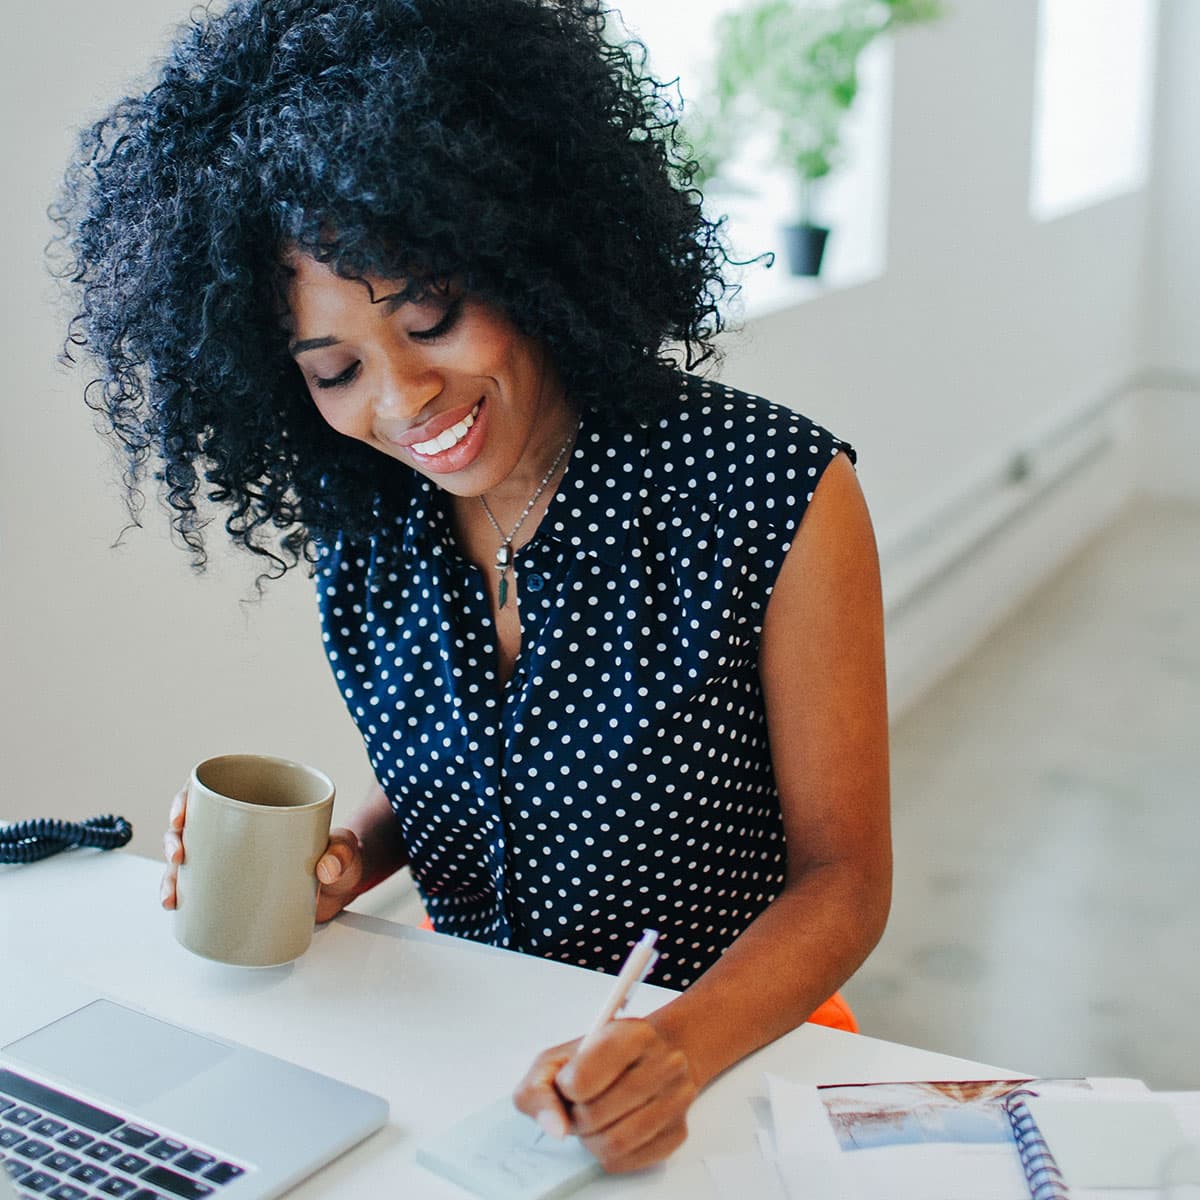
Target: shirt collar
591, 510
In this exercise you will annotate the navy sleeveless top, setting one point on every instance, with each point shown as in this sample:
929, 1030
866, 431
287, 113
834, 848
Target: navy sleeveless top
621, 779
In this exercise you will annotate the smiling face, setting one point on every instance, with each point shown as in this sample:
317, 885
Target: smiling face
448, 386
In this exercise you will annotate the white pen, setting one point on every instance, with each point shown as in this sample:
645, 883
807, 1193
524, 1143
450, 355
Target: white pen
636, 967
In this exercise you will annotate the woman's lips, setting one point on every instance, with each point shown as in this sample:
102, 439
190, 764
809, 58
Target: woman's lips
434, 427
449, 437
456, 457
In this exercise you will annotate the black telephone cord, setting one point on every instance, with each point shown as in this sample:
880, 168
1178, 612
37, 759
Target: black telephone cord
28, 841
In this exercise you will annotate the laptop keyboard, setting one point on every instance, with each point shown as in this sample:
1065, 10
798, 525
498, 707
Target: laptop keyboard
55, 1147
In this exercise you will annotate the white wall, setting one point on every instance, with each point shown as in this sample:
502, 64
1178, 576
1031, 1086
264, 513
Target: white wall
119, 668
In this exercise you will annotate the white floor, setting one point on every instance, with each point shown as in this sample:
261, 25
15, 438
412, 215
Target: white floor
1047, 825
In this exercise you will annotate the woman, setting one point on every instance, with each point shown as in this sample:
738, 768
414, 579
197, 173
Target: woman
398, 283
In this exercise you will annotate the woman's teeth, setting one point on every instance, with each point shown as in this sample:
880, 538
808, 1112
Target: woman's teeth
448, 437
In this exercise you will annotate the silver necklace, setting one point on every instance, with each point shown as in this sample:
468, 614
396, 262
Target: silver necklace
504, 554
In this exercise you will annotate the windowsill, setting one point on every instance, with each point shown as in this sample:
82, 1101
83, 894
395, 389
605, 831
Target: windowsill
766, 291
855, 253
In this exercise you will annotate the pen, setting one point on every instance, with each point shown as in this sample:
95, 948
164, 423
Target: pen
636, 967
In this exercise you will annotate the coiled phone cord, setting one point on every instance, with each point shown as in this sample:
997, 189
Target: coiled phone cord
28, 841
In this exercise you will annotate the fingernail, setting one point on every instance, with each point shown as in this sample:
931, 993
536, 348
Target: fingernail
552, 1123
327, 869
164, 891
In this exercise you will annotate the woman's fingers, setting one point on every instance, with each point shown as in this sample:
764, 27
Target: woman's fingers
340, 865
173, 847
626, 1097
538, 1097
609, 1055
173, 852
339, 873
178, 810
643, 1085
629, 1096
616, 1160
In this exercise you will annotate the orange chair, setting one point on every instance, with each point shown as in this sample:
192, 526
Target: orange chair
835, 1013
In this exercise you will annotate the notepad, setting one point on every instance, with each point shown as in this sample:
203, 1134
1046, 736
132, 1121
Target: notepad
497, 1154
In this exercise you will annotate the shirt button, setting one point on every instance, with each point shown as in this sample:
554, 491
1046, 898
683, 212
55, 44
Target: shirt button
535, 583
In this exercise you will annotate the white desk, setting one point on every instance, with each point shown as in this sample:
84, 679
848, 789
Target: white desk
438, 1025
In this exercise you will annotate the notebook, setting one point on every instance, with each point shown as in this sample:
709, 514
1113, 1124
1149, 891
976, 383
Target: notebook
98, 1099
1078, 1145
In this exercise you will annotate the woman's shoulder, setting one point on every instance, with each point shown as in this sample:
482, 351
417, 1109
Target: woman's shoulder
722, 446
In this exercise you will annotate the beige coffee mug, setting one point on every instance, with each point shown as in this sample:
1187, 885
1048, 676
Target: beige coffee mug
254, 830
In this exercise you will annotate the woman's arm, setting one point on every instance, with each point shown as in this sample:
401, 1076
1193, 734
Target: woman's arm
822, 671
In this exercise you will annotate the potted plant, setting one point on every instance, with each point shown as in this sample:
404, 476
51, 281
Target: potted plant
794, 65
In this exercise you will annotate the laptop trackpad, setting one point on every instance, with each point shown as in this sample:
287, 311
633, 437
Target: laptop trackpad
113, 1051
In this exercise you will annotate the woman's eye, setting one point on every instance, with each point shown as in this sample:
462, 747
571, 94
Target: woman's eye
443, 327
338, 380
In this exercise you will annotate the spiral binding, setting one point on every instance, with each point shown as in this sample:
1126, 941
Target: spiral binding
1041, 1171
29, 841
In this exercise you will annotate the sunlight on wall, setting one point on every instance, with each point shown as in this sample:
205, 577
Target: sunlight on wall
1094, 102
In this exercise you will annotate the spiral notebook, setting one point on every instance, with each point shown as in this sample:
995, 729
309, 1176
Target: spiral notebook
1074, 1146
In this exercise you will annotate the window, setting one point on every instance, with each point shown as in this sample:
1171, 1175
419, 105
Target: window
760, 197
1093, 104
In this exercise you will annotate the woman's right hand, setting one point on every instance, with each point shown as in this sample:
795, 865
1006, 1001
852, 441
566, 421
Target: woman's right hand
339, 869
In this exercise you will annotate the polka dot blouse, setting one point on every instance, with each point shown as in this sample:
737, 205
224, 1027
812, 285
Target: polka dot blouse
621, 779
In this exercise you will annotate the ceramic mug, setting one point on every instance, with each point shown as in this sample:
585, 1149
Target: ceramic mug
254, 830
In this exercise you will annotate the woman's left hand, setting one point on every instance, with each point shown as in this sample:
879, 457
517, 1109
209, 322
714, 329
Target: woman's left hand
626, 1097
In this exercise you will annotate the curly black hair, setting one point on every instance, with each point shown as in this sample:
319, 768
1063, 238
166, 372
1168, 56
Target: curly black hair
507, 144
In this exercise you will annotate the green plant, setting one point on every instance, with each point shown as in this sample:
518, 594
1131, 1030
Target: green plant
794, 63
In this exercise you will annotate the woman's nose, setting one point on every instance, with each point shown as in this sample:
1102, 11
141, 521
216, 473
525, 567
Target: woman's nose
402, 394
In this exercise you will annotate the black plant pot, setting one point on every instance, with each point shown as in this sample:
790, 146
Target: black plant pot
805, 246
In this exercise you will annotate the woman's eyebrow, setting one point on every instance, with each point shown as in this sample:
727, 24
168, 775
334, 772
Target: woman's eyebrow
311, 344
391, 304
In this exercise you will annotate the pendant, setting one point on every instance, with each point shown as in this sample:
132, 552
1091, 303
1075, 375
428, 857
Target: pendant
504, 558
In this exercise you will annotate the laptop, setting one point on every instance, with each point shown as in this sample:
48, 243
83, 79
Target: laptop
100, 1100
